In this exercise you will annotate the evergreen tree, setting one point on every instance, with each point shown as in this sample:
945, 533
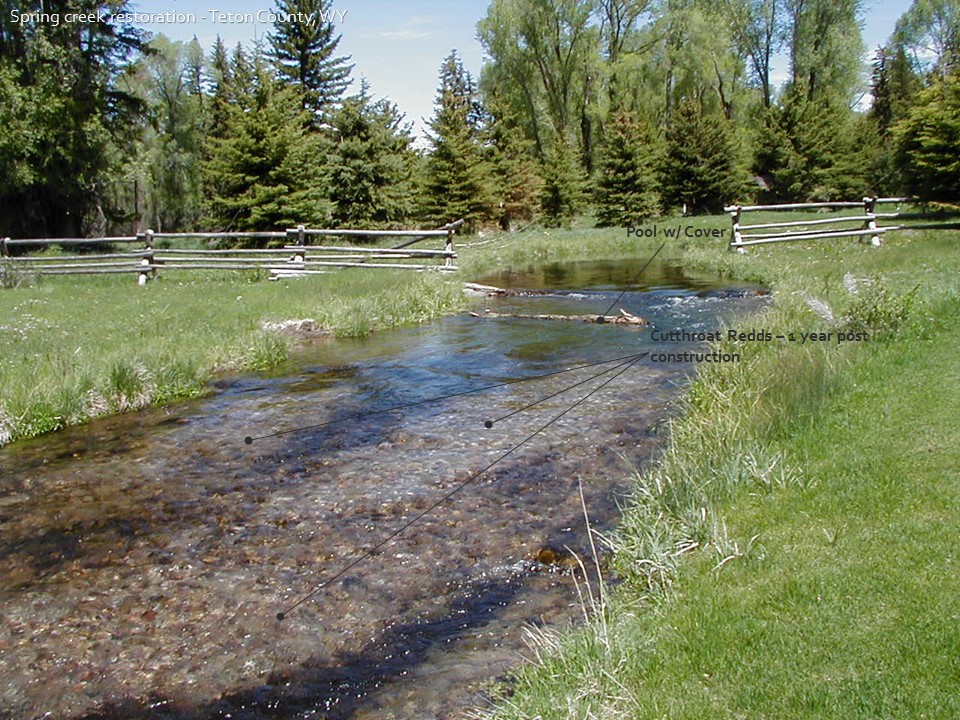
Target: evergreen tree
62, 116
627, 188
371, 164
263, 173
700, 169
563, 188
220, 80
928, 142
458, 183
813, 151
894, 85
517, 176
303, 46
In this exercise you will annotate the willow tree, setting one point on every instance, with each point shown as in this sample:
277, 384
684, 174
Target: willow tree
930, 32
545, 63
756, 29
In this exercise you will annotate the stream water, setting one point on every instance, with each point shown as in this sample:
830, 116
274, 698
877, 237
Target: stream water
144, 558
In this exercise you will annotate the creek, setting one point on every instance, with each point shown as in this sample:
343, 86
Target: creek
144, 557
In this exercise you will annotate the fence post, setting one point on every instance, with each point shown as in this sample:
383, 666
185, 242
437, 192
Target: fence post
301, 255
449, 247
735, 236
5, 248
296, 236
869, 210
146, 262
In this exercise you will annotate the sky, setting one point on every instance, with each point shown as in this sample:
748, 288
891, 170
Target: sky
399, 46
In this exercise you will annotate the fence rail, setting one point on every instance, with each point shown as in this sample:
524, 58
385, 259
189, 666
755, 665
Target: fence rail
867, 221
293, 259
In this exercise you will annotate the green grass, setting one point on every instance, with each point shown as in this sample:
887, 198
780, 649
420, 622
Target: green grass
791, 552
75, 348
789, 555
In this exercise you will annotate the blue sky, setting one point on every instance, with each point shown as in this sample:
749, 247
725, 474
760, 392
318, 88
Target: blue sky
398, 46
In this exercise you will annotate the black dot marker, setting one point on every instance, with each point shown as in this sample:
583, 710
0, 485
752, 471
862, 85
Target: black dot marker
488, 424
248, 440
280, 617
601, 319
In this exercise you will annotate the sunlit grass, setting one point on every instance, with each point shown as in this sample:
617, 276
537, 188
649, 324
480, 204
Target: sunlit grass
78, 347
789, 554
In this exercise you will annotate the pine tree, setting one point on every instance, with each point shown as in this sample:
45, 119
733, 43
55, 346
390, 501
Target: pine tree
813, 150
459, 182
563, 189
64, 120
893, 85
517, 175
627, 187
303, 46
221, 84
263, 173
371, 164
700, 170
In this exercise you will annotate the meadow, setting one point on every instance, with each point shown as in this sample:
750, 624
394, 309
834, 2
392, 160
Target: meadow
791, 553
73, 348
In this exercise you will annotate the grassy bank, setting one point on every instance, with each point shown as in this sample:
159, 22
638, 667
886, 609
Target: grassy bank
791, 554
75, 348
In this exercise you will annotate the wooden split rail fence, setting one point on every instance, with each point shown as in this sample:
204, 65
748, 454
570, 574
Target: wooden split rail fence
812, 229
295, 258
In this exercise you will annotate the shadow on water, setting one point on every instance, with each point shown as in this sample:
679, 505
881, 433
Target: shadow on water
145, 557
340, 688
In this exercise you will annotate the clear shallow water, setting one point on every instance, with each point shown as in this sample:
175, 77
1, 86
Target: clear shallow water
144, 558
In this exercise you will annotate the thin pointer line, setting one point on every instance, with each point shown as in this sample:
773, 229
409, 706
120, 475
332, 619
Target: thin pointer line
632, 283
249, 440
490, 423
369, 553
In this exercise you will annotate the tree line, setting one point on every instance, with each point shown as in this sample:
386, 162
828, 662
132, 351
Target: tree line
626, 108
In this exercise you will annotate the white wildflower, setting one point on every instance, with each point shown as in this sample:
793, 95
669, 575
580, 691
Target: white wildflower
819, 307
850, 284
6, 427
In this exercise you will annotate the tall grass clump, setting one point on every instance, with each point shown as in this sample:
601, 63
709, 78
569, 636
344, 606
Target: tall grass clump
728, 438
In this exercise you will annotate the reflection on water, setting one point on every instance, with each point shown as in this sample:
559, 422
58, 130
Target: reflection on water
144, 557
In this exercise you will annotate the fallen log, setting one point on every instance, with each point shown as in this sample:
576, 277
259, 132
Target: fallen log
624, 318
485, 290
